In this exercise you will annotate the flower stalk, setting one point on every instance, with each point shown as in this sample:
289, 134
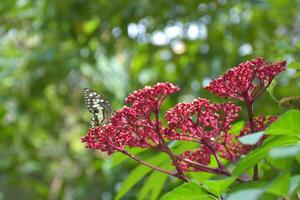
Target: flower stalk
249, 104
165, 148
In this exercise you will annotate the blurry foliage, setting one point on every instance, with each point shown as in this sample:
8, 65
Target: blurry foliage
50, 50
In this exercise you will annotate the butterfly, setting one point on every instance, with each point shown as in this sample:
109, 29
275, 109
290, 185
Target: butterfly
98, 106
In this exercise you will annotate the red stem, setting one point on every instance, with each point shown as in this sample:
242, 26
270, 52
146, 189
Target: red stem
211, 170
220, 165
164, 147
251, 121
148, 164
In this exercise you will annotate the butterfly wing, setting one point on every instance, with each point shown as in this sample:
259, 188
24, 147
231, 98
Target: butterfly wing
98, 106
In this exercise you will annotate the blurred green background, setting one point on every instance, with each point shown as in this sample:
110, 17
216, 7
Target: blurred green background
50, 50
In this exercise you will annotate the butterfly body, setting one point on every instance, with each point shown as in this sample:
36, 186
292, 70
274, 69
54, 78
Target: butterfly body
98, 106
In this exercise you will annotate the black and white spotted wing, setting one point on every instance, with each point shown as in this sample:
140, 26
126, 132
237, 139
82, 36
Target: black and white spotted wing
98, 106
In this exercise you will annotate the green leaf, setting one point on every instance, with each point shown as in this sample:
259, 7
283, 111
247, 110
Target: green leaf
280, 186
182, 146
251, 139
237, 127
285, 152
282, 163
153, 186
138, 173
270, 90
118, 158
260, 153
295, 183
294, 65
287, 124
158, 186
133, 178
248, 194
200, 176
188, 191
247, 191
218, 187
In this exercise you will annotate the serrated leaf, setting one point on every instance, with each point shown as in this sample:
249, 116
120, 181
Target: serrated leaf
251, 139
218, 187
287, 124
261, 152
138, 173
188, 191
280, 186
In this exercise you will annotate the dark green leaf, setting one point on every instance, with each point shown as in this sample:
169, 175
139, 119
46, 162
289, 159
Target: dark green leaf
153, 186
280, 186
138, 173
280, 163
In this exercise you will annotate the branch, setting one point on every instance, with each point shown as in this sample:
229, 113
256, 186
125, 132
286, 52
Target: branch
212, 170
148, 164
166, 149
220, 164
251, 121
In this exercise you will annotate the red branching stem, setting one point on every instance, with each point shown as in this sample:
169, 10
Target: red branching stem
148, 164
165, 148
249, 105
211, 170
250, 116
199, 165
220, 165
228, 151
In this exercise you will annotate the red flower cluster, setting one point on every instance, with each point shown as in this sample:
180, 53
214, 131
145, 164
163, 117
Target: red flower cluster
200, 120
260, 123
132, 126
207, 124
232, 149
239, 82
227, 146
149, 99
200, 156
